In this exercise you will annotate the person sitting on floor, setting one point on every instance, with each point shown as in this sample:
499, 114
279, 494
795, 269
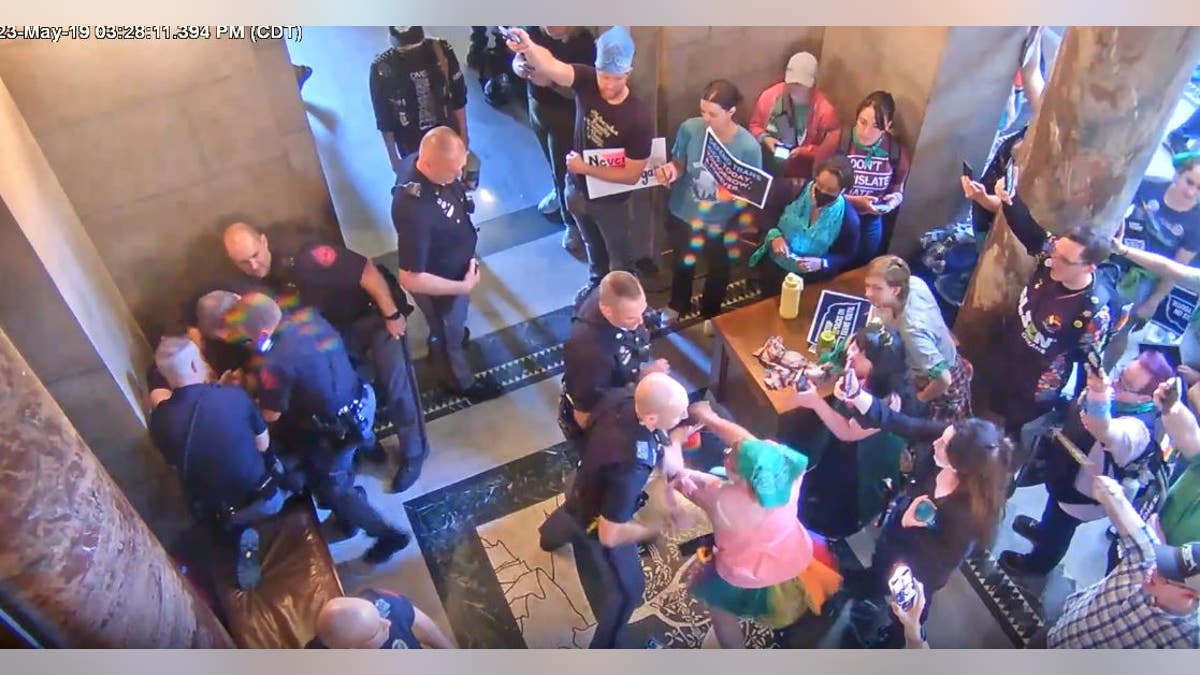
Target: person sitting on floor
765, 566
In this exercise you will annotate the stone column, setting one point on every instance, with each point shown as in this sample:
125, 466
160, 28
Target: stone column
75, 553
1106, 104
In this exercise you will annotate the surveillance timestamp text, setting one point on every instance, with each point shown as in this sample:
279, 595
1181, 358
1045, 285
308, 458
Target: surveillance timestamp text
60, 33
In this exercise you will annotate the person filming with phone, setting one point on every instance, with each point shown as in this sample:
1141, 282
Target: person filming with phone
880, 168
954, 500
1108, 431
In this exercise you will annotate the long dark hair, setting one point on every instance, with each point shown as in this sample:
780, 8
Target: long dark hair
889, 371
884, 106
982, 457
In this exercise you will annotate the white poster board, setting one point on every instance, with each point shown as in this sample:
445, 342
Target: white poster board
599, 188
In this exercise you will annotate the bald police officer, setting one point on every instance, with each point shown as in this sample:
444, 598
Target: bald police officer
355, 296
431, 212
307, 380
609, 348
631, 433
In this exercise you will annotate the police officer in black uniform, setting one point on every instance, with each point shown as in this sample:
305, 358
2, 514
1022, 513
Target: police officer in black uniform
366, 306
431, 211
215, 438
629, 436
609, 348
327, 410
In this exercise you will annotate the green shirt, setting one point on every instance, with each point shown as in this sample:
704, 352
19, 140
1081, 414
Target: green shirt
1180, 516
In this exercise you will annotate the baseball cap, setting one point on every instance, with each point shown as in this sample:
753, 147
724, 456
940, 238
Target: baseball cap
614, 51
1180, 564
801, 69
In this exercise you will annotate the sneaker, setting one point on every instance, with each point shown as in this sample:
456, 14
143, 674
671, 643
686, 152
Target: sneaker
248, 571
549, 204
484, 388
407, 475
1017, 565
709, 331
385, 547
1026, 527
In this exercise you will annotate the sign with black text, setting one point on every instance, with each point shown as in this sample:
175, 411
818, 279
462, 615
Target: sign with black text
844, 314
616, 158
743, 181
1175, 311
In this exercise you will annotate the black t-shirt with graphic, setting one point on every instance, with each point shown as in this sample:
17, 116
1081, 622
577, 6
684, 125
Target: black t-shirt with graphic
1054, 328
1158, 228
579, 47
412, 93
600, 125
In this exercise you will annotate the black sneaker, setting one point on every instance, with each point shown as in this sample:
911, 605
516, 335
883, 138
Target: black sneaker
407, 475
249, 571
335, 529
1017, 565
385, 547
484, 388
1026, 527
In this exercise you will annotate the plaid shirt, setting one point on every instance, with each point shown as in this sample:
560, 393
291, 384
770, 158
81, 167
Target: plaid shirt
1115, 613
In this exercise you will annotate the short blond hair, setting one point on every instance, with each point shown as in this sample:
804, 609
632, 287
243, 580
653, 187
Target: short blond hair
619, 285
894, 272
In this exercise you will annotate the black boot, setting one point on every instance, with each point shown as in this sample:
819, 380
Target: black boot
385, 547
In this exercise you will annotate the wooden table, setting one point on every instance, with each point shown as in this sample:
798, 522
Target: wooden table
736, 379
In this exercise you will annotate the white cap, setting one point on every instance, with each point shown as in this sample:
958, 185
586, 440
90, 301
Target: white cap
801, 70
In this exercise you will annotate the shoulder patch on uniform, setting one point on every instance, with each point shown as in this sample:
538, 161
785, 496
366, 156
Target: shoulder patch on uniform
324, 255
645, 453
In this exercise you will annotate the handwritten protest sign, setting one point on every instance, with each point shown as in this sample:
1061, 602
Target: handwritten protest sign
841, 313
743, 181
616, 158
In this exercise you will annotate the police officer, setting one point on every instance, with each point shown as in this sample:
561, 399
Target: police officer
306, 378
216, 439
225, 361
432, 215
609, 348
376, 619
368, 311
629, 436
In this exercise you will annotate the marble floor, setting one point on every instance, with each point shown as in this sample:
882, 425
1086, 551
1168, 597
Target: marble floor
498, 467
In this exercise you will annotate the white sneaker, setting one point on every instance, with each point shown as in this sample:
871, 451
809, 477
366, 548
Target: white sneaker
549, 203
708, 328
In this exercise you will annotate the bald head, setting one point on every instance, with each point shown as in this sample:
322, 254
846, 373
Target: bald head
350, 623
661, 402
442, 155
253, 318
247, 248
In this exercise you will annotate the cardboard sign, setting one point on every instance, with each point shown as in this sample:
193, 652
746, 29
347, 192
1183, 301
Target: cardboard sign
616, 158
1174, 313
844, 314
743, 181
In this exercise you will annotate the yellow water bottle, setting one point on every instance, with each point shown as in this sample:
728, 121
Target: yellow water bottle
789, 298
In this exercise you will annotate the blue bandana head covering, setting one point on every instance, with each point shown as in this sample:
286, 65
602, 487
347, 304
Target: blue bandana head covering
614, 51
770, 469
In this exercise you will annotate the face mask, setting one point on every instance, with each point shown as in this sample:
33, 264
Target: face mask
821, 199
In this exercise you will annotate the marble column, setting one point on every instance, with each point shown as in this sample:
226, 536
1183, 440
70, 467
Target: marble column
75, 553
1106, 104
